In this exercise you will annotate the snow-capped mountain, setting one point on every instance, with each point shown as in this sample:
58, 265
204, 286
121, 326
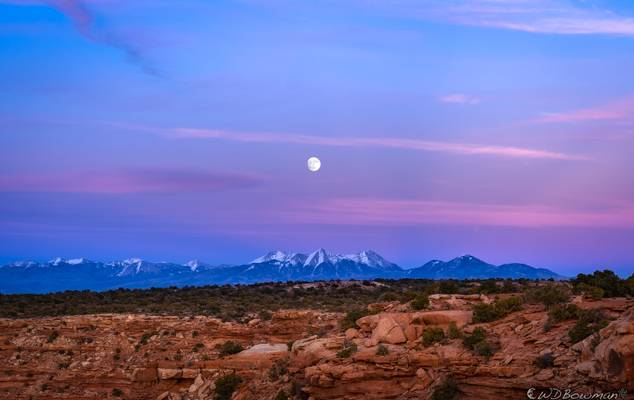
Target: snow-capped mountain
318, 265
367, 258
79, 273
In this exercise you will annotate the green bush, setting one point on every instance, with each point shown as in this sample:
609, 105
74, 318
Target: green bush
549, 294
489, 286
448, 390
265, 315
591, 292
351, 317
563, 312
197, 347
382, 350
606, 280
117, 392
230, 347
225, 386
421, 301
347, 349
454, 332
281, 395
52, 337
146, 336
589, 322
497, 310
478, 335
483, 348
278, 370
546, 360
432, 335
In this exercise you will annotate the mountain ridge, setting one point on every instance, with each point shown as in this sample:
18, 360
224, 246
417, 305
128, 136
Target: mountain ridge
62, 274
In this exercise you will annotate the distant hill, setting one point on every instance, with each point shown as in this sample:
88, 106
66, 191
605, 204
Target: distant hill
470, 267
82, 274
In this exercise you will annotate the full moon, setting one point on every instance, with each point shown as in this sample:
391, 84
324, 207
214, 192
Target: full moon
313, 164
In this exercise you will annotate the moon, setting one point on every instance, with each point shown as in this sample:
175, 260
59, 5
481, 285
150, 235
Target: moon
313, 164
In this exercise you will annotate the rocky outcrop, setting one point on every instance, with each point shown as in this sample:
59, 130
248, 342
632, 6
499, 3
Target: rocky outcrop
160, 357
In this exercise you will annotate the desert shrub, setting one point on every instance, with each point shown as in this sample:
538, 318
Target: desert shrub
389, 296
265, 315
146, 336
606, 280
351, 317
281, 395
489, 286
382, 350
432, 335
629, 284
483, 348
546, 360
230, 347
289, 345
225, 386
497, 310
448, 286
478, 335
447, 390
278, 370
117, 392
194, 334
297, 391
347, 349
198, 346
454, 332
589, 322
563, 312
549, 294
591, 292
52, 337
421, 301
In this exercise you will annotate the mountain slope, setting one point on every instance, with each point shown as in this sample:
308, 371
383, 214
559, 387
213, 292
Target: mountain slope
80, 274
470, 267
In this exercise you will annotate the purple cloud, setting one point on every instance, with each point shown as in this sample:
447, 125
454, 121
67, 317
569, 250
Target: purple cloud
615, 110
459, 98
406, 212
127, 181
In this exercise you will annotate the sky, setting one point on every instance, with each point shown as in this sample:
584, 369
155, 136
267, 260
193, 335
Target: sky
174, 131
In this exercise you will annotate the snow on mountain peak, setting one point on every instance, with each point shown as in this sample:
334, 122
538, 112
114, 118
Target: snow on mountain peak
276, 255
56, 261
321, 256
193, 265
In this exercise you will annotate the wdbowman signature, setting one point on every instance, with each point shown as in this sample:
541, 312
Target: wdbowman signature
569, 394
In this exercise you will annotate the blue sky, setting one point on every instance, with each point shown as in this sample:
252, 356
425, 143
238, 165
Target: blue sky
172, 131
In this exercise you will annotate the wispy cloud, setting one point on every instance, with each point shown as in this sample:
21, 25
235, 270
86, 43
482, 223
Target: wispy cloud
126, 181
398, 212
617, 110
387, 142
83, 18
534, 16
459, 98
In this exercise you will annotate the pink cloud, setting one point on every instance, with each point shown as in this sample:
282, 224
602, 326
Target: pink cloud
616, 110
388, 142
459, 98
127, 181
390, 212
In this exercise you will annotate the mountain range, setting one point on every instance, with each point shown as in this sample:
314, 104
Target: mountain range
83, 274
